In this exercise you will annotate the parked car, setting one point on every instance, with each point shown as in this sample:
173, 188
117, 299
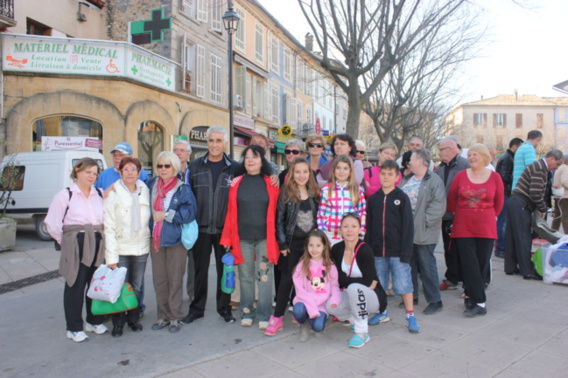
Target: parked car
40, 176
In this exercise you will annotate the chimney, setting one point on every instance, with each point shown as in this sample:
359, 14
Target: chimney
516, 94
481, 97
309, 42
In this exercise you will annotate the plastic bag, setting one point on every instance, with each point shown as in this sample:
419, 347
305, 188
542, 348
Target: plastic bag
106, 283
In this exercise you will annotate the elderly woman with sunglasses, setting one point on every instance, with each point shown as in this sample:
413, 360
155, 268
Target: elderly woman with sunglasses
315, 145
360, 146
173, 205
294, 148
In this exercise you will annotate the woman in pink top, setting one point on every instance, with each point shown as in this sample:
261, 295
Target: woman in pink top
475, 198
75, 220
387, 151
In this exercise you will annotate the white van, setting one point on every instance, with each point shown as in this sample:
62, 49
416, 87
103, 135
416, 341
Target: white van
40, 176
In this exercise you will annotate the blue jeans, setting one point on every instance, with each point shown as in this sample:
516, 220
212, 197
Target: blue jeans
136, 266
501, 224
301, 315
401, 274
424, 261
261, 270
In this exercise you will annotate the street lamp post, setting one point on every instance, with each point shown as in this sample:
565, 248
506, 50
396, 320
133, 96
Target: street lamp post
231, 22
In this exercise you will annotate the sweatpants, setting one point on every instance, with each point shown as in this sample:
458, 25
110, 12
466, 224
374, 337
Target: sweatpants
358, 302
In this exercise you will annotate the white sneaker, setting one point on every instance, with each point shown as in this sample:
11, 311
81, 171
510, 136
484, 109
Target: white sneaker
77, 336
263, 325
98, 329
246, 322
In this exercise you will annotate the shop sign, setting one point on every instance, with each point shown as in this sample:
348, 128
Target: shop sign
198, 134
49, 143
243, 122
86, 57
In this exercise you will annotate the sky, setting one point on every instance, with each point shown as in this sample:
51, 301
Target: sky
524, 49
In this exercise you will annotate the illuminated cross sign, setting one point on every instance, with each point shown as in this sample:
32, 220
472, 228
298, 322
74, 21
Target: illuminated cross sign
152, 30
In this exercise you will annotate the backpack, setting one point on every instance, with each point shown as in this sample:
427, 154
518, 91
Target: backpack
100, 193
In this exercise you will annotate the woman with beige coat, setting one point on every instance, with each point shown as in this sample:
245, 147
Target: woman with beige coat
127, 235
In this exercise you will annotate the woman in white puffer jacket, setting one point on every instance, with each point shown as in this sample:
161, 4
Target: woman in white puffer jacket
127, 234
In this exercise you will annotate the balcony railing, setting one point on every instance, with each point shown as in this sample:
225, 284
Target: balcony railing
7, 8
7, 14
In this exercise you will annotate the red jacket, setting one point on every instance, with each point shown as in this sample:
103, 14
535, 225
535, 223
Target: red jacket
230, 236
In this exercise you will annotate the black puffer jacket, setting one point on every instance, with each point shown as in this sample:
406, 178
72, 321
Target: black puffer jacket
286, 220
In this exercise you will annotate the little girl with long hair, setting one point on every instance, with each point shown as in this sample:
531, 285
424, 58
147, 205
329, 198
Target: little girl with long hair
340, 196
316, 283
296, 217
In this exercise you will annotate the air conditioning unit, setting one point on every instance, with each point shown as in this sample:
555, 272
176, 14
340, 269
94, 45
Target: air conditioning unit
238, 102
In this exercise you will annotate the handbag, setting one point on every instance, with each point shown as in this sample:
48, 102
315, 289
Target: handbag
125, 302
189, 232
106, 283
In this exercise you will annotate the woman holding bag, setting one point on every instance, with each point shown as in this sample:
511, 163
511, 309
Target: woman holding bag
75, 220
173, 205
127, 237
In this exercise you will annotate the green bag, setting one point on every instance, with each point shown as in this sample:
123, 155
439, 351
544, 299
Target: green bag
126, 301
537, 261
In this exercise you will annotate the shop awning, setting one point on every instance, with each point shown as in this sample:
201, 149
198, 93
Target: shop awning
250, 133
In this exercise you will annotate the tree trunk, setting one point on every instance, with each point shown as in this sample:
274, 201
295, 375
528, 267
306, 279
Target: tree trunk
354, 108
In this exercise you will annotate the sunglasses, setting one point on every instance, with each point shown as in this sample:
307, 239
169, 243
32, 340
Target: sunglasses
316, 145
160, 166
288, 152
361, 152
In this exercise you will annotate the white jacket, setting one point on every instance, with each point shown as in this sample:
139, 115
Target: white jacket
118, 238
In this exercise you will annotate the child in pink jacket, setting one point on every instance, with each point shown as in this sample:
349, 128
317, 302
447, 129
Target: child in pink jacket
316, 282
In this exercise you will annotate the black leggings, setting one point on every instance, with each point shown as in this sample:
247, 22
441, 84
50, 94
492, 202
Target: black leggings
286, 265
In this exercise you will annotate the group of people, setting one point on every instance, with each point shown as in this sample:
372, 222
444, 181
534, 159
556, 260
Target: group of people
330, 235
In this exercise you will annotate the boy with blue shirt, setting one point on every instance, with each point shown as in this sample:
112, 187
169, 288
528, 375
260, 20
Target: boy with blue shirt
390, 233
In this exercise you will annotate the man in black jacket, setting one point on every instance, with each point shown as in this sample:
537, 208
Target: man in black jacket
210, 177
505, 170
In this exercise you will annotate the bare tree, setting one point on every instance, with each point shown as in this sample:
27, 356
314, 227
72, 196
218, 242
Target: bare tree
346, 29
416, 94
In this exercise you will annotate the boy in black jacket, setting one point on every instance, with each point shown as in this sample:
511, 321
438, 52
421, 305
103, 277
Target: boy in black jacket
390, 233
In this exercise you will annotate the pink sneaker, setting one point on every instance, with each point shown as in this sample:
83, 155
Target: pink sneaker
274, 325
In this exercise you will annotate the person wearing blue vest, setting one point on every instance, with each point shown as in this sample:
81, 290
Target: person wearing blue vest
111, 175
182, 149
525, 155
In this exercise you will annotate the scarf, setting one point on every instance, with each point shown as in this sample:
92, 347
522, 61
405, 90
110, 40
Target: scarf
135, 222
158, 205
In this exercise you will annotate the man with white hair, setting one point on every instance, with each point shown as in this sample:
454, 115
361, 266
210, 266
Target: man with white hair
451, 164
210, 178
182, 149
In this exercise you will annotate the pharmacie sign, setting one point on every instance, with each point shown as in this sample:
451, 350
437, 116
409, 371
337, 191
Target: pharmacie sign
86, 57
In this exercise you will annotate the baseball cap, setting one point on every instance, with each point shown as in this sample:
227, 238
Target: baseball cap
123, 147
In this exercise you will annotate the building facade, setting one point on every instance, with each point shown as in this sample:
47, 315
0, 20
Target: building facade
495, 121
76, 73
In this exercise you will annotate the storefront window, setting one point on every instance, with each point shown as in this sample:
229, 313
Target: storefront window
150, 144
65, 126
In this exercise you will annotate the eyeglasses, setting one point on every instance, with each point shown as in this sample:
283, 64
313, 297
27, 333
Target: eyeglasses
361, 152
288, 152
160, 166
315, 145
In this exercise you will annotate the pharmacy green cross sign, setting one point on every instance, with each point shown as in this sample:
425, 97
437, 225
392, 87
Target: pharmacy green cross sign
152, 30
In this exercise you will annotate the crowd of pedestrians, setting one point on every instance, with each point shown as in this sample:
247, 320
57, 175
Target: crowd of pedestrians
325, 237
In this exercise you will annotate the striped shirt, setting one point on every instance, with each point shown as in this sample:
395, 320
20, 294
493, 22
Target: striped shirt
335, 203
532, 184
525, 155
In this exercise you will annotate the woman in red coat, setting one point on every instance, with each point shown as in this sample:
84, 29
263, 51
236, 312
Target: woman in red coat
475, 198
251, 233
